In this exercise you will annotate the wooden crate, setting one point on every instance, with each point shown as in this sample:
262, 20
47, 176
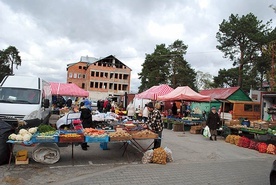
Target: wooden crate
178, 127
195, 131
197, 127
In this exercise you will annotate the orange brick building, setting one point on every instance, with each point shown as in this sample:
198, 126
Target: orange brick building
102, 78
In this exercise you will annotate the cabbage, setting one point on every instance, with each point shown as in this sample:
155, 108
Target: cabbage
33, 130
23, 131
12, 137
27, 137
19, 137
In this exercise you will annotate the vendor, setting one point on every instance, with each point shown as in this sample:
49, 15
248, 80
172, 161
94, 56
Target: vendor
246, 122
86, 118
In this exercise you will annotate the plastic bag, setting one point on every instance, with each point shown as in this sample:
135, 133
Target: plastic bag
169, 154
206, 132
147, 158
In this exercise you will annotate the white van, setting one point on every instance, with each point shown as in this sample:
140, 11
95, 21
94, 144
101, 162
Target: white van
25, 98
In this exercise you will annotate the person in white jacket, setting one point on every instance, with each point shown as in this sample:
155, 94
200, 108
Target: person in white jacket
145, 113
130, 110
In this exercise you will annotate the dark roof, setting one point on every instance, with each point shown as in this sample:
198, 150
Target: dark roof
219, 93
92, 60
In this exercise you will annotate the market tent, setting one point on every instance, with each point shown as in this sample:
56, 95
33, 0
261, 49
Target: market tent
68, 89
184, 93
155, 91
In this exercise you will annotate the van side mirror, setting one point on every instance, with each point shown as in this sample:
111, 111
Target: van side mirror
46, 103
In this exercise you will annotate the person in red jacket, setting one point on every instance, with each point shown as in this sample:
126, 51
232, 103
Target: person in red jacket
213, 122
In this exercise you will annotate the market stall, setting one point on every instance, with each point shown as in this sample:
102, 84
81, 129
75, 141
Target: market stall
185, 93
155, 91
68, 89
46, 139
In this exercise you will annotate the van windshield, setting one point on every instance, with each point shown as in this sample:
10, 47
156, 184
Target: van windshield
19, 95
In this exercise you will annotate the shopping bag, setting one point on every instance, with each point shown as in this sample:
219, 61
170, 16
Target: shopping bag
206, 132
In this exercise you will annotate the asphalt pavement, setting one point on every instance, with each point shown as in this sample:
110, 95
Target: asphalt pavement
197, 160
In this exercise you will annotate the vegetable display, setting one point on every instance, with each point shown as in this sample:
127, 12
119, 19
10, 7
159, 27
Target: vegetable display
45, 128
23, 134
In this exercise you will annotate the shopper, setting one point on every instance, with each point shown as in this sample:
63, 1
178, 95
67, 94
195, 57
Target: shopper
155, 123
145, 113
130, 110
213, 122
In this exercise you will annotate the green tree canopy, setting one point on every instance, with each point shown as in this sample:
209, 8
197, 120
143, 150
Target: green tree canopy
8, 58
166, 65
240, 39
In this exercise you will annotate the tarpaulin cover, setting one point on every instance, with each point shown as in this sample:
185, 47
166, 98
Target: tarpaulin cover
68, 89
46, 153
155, 91
184, 93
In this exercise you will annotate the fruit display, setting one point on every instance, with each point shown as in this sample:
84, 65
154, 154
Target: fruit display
144, 134
119, 135
71, 137
262, 147
94, 132
95, 135
271, 149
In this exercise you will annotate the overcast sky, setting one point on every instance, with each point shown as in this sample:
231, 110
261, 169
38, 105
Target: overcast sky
51, 34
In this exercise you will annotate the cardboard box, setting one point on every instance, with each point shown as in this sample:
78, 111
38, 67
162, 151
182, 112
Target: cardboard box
17, 162
22, 155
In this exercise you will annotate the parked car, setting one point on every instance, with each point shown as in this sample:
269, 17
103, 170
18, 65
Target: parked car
273, 174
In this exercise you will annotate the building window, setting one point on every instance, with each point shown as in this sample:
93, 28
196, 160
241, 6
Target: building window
82, 85
83, 76
91, 84
120, 76
79, 75
115, 86
116, 75
92, 73
248, 107
110, 85
79, 67
96, 85
75, 75
101, 74
124, 88
125, 77
70, 75
97, 74
105, 75
111, 75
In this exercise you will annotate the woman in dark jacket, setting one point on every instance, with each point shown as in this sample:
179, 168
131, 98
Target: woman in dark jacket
213, 123
86, 118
